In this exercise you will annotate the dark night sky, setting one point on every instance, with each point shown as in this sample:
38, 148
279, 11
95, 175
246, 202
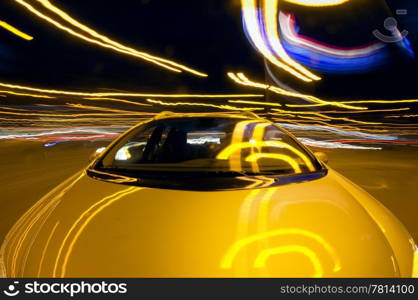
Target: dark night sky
205, 35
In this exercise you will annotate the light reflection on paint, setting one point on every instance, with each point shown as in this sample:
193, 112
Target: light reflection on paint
264, 255
228, 259
235, 147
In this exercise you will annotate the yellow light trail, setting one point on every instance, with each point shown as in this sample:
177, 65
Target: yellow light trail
105, 39
110, 44
364, 111
130, 94
358, 102
318, 121
241, 79
258, 135
237, 137
27, 95
70, 115
117, 100
326, 117
88, 107
227, 152
322, 123
234, 250
298, 122
46, 247
255, 102
23, 226
12, 240
307, 105
249, 11
15, 31
227, 107
72, 120
81, 223
261, 259
317, 3
402, 116
341, 126
286, 158
302, 117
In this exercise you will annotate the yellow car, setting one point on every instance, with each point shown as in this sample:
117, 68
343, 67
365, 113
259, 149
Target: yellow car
207, 195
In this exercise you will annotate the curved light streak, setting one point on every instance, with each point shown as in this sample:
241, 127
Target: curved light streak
262, 258
329, 58
255, 102
105, 109
27, 95
288, 24
81, 223
78, 107
337, 131
20, 230
401, 116
251, 20
117, 100
105, 39
69, 114
46, 247
286, 158
228, 259
237, 138
271, 26
241, 79
365, 111
58, 132
15, 31
229, 150
327, 118
258, 135
170, 65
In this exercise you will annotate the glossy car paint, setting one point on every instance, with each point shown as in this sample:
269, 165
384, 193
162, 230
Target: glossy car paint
323, 228
327, 227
